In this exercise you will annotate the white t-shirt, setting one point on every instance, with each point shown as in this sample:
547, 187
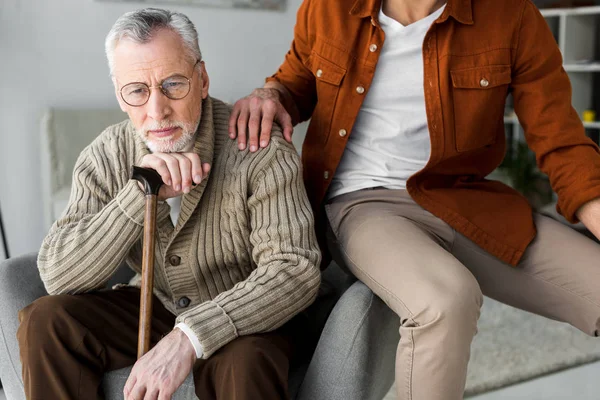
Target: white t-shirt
175, 202
390, 138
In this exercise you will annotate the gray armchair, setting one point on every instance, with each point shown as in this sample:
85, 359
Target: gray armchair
353, 359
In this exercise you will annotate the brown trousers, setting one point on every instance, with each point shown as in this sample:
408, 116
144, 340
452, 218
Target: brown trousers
434, 278
67, 342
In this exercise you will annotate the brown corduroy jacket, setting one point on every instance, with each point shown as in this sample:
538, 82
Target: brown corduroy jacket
474, 54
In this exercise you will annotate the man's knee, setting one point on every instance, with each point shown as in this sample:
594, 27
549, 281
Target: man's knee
44, 317
249, 357
455, 301
249, 367
264, 351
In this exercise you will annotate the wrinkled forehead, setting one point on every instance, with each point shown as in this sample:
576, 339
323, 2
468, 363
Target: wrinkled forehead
163, 56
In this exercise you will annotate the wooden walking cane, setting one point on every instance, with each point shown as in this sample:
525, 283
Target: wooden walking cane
152, 183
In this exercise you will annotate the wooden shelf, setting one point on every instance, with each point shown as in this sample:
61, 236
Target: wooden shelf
591, 125
557, 12
591, 67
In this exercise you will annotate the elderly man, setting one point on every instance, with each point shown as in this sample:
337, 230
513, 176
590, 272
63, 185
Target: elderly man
236, 254
406, 99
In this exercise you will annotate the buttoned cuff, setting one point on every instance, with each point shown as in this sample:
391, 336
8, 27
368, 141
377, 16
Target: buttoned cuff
211, 324
182, 326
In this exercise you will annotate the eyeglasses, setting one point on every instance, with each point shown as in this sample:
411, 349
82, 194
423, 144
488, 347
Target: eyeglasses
175, 87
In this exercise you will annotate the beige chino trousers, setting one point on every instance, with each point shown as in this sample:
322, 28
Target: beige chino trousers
434, 279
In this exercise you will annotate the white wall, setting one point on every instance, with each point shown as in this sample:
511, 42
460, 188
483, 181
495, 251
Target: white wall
51, 54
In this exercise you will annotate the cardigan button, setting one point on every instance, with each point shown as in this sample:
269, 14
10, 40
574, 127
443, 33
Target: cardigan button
183, 302
174, 260
484, 82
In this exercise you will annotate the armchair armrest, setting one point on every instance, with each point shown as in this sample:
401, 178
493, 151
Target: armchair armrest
355, 356
20, 285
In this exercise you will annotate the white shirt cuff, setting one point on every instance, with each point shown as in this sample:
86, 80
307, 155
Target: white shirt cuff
193, 338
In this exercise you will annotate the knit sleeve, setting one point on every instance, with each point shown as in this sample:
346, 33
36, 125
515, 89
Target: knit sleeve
103, 219
286, 254
553, 130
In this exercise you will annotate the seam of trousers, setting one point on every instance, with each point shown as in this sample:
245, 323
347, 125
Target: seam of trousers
410, 370
79, 385
546, 281
80, 373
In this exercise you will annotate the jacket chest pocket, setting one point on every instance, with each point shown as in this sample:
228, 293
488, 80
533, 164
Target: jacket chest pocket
328, 76
479, 95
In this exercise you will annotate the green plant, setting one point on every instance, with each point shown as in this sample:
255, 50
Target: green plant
520, 167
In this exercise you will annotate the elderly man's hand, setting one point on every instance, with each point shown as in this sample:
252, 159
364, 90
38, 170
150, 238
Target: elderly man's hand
158, 374
255, 113
177, 170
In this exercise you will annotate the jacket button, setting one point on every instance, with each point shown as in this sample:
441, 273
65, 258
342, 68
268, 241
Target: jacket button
174, 260
326, 174
319, 73
373, 48
183, 302
343, 132
360, 89
484, 82
373, 21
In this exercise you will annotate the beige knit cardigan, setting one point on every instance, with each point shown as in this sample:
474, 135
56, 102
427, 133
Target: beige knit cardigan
243, 250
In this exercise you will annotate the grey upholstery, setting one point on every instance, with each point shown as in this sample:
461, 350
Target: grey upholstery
356, 353
114, 382
354, 357
20, 285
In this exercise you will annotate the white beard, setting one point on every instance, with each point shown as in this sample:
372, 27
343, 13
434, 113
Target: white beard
168, 145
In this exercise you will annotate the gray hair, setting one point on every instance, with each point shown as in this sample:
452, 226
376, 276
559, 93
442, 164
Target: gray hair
140, 25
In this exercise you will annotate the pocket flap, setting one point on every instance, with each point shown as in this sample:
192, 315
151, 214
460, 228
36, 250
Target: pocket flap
325, 70
481, 77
